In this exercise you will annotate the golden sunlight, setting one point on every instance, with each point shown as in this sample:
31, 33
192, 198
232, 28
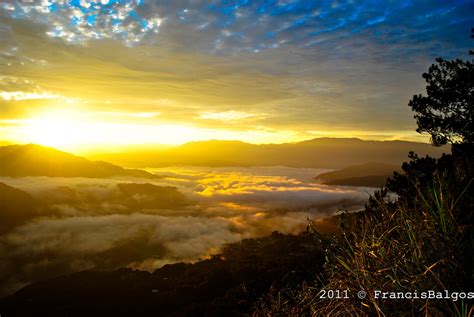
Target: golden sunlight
74, 130
83, 131
59, 128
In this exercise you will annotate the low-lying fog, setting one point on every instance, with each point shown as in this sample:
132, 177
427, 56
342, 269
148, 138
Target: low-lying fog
86, 223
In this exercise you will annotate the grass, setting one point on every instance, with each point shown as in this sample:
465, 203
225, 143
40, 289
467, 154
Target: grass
393, 246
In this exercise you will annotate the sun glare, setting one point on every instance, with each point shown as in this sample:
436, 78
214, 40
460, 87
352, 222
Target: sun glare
74, 130
56, 128
80, 132
83, 133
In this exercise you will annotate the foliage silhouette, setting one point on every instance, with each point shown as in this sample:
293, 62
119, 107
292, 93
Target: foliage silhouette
447, 112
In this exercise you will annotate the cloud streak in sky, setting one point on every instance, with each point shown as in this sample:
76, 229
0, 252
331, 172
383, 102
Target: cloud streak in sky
249, 25
286, 66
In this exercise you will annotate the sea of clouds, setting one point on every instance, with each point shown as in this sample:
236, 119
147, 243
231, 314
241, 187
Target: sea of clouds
86, 223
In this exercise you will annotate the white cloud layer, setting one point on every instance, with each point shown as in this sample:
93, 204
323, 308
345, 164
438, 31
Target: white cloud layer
89, 223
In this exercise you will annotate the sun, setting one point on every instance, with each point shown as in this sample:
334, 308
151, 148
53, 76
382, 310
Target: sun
58, 128
82, 131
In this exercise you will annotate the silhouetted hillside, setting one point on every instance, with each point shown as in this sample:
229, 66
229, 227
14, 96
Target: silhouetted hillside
225, 285
362, 170
365, 181
36, 160
320, 153
373, 174
16, 207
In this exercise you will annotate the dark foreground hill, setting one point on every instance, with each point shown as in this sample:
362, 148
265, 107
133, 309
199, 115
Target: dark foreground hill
316, 153
225, 285
36, 160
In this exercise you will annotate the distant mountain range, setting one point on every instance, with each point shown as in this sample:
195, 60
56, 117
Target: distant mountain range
316, 153
372, 174
36, 160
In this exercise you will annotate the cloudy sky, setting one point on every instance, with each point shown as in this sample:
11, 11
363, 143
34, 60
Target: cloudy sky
83, 73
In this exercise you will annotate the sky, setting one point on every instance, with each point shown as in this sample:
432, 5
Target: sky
97, 74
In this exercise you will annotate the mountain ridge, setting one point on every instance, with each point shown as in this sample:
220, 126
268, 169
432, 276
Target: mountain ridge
314, 153
370, 174
37, 160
